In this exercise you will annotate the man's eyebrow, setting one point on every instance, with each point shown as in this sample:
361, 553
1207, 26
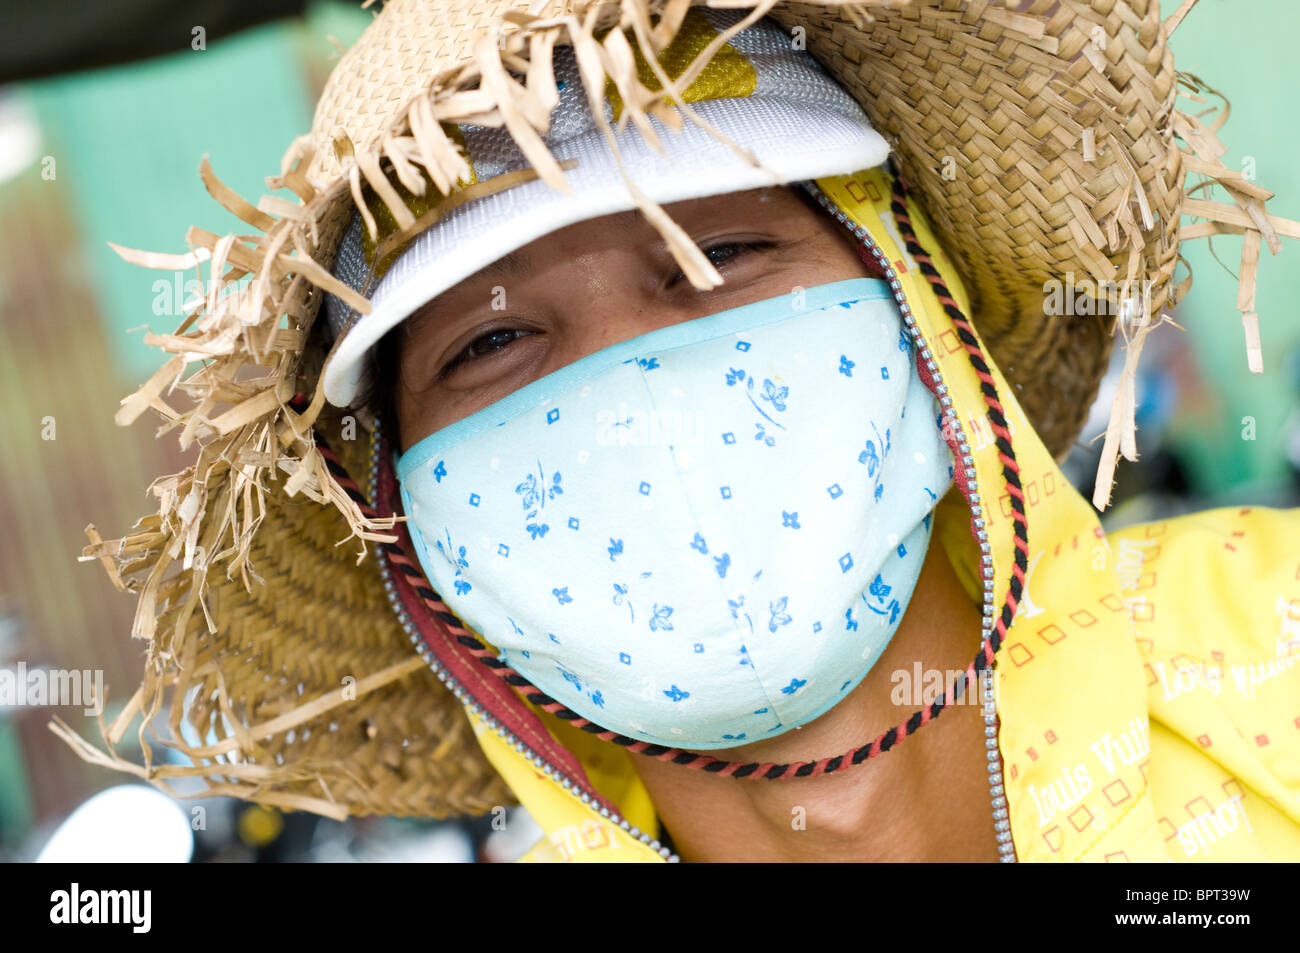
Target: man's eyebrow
513, 265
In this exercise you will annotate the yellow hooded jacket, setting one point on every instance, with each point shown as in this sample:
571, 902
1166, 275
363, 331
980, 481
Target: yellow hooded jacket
1147, 689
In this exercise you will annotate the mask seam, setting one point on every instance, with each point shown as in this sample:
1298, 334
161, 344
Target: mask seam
696, 519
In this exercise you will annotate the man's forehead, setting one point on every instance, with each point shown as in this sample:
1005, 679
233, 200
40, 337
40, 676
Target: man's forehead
727, 200
690, 213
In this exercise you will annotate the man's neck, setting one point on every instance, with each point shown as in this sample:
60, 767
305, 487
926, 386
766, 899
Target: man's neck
926, 799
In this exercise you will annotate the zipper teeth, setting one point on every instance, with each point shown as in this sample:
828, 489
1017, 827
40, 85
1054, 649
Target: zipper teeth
456, 688
997, 790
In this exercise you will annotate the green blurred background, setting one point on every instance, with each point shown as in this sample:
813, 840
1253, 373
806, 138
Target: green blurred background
1246, 50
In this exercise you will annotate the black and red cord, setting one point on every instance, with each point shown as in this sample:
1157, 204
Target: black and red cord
996, 414
404, 563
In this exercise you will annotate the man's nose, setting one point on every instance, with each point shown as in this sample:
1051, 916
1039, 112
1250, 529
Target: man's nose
617, 324
619, 314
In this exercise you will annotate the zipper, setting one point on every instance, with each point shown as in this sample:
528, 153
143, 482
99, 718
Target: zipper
997, 789
467, 699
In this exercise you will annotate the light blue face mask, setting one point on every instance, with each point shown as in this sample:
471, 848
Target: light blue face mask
700, 537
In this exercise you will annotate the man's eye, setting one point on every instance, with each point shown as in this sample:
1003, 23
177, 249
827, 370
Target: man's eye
721, 254
484, 344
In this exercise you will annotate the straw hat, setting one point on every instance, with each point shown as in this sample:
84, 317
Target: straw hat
1041, 141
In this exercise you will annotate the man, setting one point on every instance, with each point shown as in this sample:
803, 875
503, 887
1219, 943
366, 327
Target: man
717, 643
599, 282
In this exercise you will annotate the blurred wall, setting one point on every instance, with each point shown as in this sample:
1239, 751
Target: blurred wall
1246, 50
85, 159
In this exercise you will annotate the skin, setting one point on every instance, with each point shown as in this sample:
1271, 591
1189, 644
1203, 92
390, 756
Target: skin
596, 283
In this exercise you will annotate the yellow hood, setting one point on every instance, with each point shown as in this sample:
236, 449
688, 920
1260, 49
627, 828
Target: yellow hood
1147, 687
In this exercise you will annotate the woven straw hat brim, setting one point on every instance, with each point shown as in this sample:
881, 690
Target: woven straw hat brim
1040, 142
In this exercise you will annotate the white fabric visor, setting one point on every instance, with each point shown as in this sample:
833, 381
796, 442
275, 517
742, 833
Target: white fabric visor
792, 144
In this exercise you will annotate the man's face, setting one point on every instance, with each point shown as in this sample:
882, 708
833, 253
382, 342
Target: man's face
595, 283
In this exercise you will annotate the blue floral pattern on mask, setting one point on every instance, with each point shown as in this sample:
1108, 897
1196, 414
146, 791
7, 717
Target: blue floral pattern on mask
668, 580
